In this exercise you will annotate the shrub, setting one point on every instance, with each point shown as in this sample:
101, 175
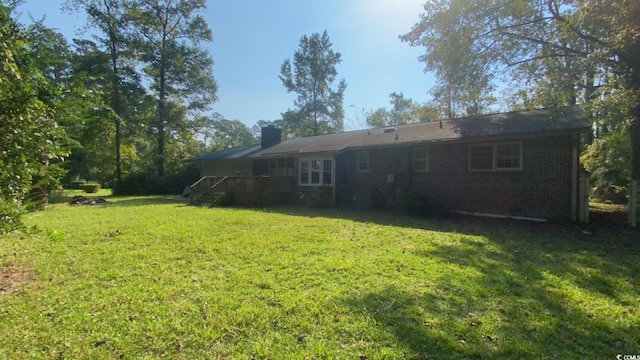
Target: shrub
151, 184
10, 216
57, 197
77, 184
91, 187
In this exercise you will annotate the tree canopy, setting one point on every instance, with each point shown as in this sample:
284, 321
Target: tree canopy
30, 138
403, 111
319, 108
548, 53
107, 107
180, 71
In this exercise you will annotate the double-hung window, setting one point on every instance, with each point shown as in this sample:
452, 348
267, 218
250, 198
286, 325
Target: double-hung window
495, 157
363, 161
421, 159
316, 172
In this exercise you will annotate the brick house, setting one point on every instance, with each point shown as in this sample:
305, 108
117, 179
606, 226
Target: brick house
518, 164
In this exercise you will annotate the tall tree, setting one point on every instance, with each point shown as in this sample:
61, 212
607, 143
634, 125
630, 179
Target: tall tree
180, 72
111, 18
463, 76
53, 54
314, 71
30, 138
575, 51
94, 120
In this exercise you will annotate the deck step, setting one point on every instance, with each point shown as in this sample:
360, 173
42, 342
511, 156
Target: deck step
209, 198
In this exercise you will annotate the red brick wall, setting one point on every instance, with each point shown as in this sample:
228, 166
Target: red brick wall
542, 189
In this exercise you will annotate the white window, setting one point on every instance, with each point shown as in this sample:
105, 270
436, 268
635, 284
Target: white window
363, 161
421, 159
492, 157
509, 156
316, 172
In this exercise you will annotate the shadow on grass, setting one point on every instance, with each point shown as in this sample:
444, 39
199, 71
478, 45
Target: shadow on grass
450, 222
113, 200
513, 294
148, 200
508, 289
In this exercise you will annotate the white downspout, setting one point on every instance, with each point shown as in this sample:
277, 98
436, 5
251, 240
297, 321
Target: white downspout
574, 181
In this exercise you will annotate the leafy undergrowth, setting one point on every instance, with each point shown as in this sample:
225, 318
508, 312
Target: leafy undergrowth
154, 278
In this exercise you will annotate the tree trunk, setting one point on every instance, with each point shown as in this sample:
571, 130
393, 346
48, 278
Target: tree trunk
162, 110
118, 157
634, 135
631, 56
117, 108
161, 135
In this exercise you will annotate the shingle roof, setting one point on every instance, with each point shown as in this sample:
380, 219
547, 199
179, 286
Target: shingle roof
520, 123
230, 153
503, 125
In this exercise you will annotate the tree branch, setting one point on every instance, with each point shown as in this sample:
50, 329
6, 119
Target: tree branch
554, 9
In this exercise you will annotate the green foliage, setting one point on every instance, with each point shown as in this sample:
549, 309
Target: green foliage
448, 31
220, 133
256, 129
116, 64
151, 184
90, 187
319, 106
607, 157
30, 138
403, 111
10, 216
77, 184
552, 53
180, 72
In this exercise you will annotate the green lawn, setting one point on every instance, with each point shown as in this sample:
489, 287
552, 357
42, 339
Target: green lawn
154, 278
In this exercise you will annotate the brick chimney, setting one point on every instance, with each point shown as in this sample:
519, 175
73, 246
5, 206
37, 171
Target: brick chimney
271, 135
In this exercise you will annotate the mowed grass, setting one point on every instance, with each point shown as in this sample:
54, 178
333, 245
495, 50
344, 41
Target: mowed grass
154, 278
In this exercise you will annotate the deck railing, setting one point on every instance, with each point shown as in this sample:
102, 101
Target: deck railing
246, 190
201, 187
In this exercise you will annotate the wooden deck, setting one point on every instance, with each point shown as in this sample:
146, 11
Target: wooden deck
248, 191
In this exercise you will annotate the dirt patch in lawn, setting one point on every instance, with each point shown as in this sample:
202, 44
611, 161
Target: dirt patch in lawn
609, 215
12, 277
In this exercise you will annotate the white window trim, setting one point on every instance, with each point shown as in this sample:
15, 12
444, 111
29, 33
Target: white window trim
413, 159
360, 160
322, 160
494, 166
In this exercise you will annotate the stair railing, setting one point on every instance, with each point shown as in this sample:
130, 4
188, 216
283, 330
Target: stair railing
200, 188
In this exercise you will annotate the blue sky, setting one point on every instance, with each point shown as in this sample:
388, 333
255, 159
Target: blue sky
253, 37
